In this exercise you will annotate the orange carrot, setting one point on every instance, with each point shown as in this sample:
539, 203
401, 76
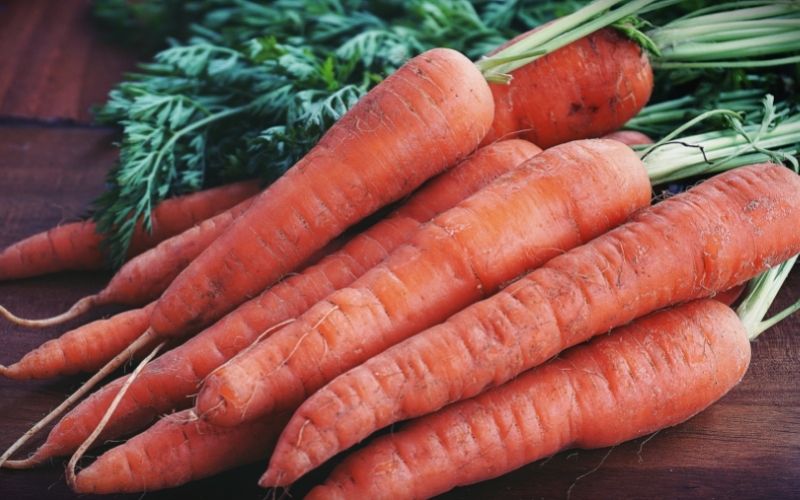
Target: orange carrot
84, 349
657, 372
147, 275
629, 137
167, 382
708, 239
428, 115
178, 449
561, 198
585, 89
78, 246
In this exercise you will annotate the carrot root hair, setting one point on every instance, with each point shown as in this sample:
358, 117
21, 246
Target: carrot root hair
80, 307
73, 461
112, 365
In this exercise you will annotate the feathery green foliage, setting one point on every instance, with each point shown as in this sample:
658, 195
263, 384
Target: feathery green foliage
254, 85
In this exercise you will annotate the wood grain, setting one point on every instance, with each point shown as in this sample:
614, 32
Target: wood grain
53, 66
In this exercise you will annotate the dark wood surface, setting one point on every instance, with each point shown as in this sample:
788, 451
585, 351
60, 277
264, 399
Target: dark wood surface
53, 66
745, 446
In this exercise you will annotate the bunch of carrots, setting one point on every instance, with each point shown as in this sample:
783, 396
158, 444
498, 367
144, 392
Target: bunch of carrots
267, 326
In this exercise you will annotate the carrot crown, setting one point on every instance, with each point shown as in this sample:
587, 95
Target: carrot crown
748, 33
677, 157
553, 36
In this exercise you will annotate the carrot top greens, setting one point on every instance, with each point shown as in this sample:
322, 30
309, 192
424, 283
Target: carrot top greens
252, 86
247, 88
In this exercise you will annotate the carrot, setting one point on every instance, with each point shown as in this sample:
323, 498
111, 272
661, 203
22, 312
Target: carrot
657, 372
629, 137
585, 89
84, 349
78, 246
178, 449
167, 382
559, 199
708, 239
428, 115
146, 276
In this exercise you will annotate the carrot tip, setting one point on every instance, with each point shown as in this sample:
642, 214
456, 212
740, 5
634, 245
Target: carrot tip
76, 310
271, 479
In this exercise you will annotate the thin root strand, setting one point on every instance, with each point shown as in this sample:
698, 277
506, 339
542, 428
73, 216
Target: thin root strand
112, 365
80, 307
71, 477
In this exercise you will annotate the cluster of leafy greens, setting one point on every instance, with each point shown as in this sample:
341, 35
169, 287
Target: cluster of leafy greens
244, 89
252, 86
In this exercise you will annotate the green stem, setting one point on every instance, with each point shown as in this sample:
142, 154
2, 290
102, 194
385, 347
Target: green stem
740, 36
761, 293
670, 159
728, 64
732, 37
555, 35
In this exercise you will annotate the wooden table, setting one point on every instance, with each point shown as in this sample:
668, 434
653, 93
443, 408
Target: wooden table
52, 163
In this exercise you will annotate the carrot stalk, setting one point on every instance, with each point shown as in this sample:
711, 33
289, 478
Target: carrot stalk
147, 275
719, 234
78, 245
167, 382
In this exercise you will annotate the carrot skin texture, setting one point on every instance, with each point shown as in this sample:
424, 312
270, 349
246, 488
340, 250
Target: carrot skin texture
84, 349
78, 246
629, 137
179, 448
172, 215
145, 277
585, 89
717, 235
428, 115
142, 279
654, 373
168, 381
559, 199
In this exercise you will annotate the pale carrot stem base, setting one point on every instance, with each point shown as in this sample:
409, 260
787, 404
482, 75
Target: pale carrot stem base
80, 307
107, 416
112, 365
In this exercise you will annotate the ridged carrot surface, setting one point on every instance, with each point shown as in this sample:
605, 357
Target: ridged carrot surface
143, 278
427, 116
561, 198
585, 89
168, 382
179, 448
77, 245
657, 372
721, 233
84, 349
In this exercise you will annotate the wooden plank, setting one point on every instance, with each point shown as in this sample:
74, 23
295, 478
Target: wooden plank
53, 63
